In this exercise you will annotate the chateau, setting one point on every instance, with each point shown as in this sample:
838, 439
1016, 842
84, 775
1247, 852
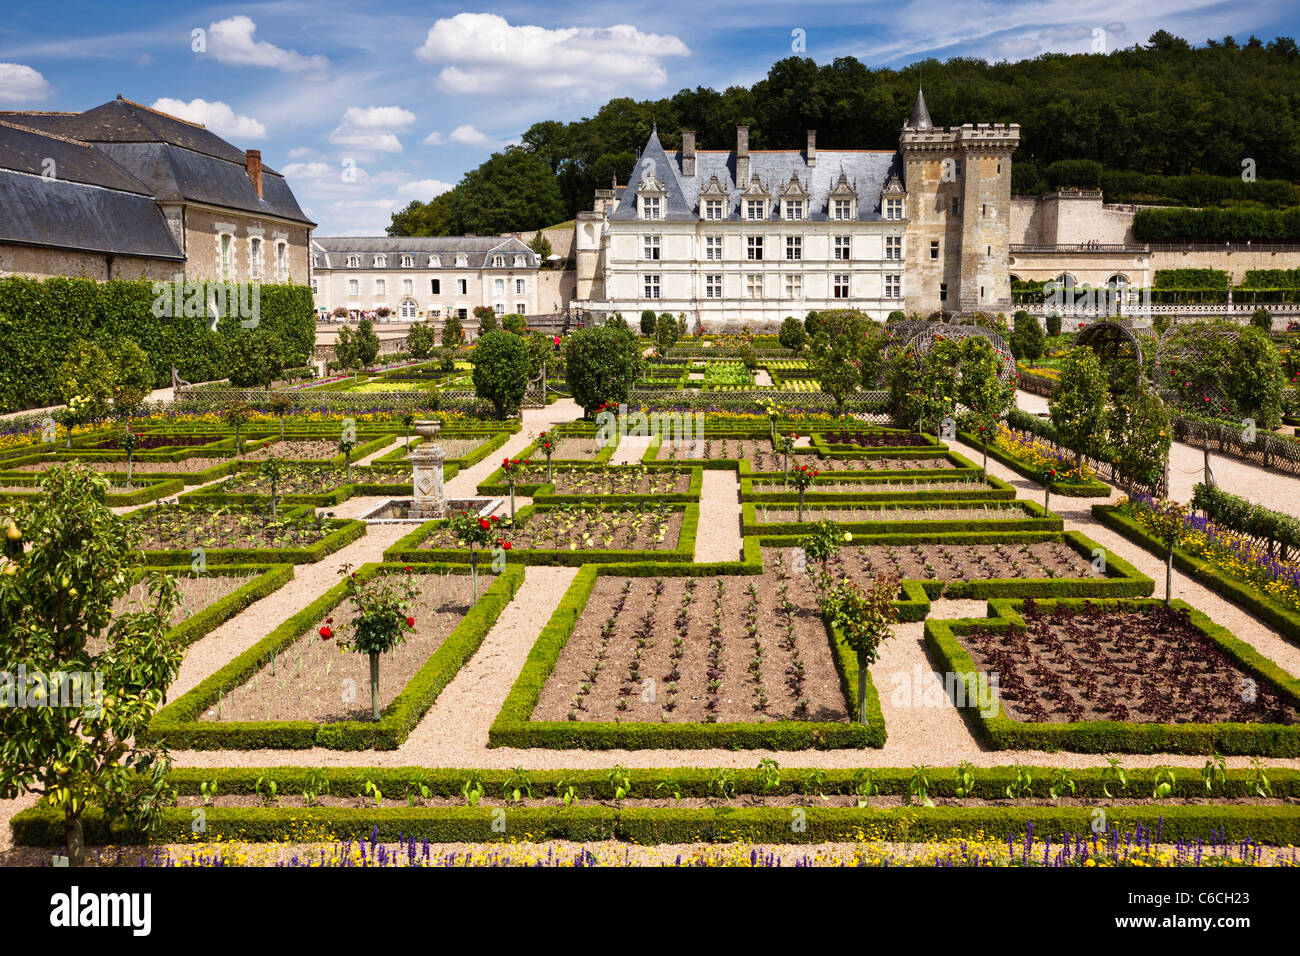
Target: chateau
750, 237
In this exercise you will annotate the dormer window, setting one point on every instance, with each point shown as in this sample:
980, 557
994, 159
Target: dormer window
794, 209
498, 262
754, 209
381, 262
893, 208
521, 262
842, 209
408, 262
651, 207
354, 262
435, 262
462, 261
713, 209
713, 200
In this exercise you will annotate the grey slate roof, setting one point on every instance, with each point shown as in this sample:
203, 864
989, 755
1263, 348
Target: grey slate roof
866, 170
920, 118
176, 159
90, 204
334, 250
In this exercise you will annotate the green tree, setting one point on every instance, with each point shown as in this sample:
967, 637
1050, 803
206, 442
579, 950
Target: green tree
1026, 338
514, 322
982, 390
666, 332
1262, 319
346, 352
601, 366
367, 343
648, 321
133, 376
420, 340
86, 373
1254, 378
792, 335
502, 366
487, 320
1078, 406
254, 357
59, 614
540, 245
1138, 435
453, 333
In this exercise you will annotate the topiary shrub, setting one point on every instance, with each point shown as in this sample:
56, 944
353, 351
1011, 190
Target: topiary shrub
648, 322
502, 367
601, 366
1053, 323
487, 320
793, 336
514, 322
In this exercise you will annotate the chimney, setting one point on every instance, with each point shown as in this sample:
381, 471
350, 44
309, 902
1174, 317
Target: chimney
688, 152
253, 159
810, 154
742, 156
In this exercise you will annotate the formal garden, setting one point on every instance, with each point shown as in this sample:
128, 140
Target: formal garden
854, 586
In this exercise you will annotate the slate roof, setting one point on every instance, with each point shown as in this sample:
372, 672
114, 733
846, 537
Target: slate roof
334, 250
89, 203
176, 159
866, 170
920, 118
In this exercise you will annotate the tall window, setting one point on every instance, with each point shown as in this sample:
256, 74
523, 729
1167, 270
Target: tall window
713, 287
354, 287
520, 286
754, 209
794, 247
282, 261
381, 287
943, 292
894, 248
408, 286
713, 209
713, 248
754, 286
794, 209
521, 308
462, 286
893, 287
649, 207
934, 248
956, 206
435, 287
407, 309
893, 209
754, 248
255, 257
840, 286
651, 286
498, 286
225, 256
843, 209
794, 286
650, 247
843, 247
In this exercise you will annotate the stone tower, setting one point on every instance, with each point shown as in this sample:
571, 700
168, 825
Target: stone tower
958, 184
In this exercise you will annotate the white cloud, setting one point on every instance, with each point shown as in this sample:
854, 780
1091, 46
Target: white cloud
307, 170
215, 115
301, 152
370, 141
483, 53
231, 41
20, 84
465, 135
378, 117
424, 188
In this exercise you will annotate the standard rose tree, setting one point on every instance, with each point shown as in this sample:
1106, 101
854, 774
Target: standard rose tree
381, 619
473, 531
803, 477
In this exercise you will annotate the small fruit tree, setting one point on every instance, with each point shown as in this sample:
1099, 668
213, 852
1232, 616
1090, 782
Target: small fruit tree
819, 547
473, 531
865, 619
273, 471
1078, 406
982, 390
346, 444
280, 405
785, 445
511, 468
803, 477
236, 416
1168, 522
502, 366
381, 621
103, 674
129, 441
601, 366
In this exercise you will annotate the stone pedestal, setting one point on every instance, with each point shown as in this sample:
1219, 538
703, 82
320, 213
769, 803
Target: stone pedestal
430, 497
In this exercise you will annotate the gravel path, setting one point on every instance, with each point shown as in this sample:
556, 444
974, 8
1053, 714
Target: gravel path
718, 536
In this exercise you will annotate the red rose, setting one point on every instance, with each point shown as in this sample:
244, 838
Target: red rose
495, 519
506, 546
326, 633
482, 523
410, 622
408, 569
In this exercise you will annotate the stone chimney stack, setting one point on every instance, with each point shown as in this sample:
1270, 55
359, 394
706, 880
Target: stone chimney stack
742, 156
688, 152
253, 159
810, 154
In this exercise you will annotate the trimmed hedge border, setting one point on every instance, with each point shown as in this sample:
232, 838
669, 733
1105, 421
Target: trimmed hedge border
1105, 736
1246, 596
1034, 519
267, 580
1092, 489
494, 440
408, 548
990, 489
152, 488
514, 726
177, 725
1213, 824
345, 531
339, 494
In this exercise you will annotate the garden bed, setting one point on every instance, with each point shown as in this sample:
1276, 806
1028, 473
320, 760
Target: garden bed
118, 494
731, 661
310, 483
890, 518
570, 535
764, 459
240, 534
577, 484
1127, 677
303, 702
923, 487
212, 597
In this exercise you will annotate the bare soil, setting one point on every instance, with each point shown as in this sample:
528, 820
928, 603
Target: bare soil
584, 528
197, 593
962, 562
167, 528
625, 480
1148, 665
315, 479
312, 450
184, 466
674, 650
994, 511
762, 457
575, 449
317, 680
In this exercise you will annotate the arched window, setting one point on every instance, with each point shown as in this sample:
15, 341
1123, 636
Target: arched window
407, 262
354, 262
1015, 278
1118, 281
498, 262
407, 309
462, 261
381, 262
521, 262
1066, 281
435, 262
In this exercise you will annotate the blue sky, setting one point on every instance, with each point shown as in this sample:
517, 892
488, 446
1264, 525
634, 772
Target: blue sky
412, 96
